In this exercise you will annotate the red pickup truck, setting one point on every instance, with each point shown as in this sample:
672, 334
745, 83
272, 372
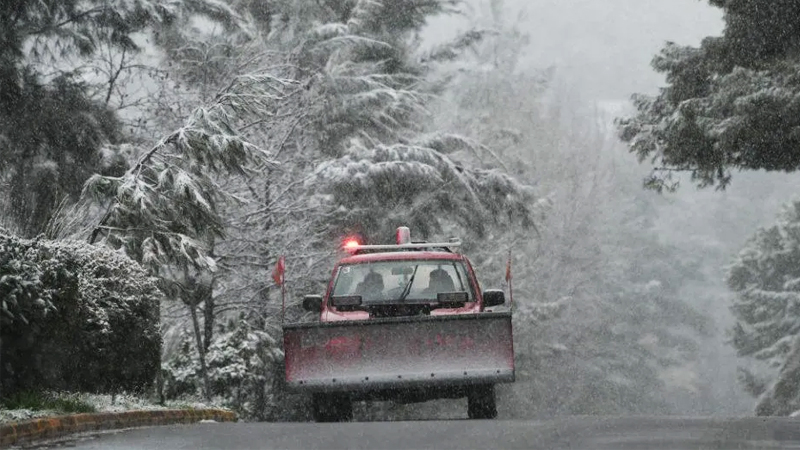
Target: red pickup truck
405, 322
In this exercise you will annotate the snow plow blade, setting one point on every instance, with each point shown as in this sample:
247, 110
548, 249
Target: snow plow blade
399, 352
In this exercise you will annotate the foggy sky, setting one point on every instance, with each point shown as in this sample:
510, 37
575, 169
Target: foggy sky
602, 48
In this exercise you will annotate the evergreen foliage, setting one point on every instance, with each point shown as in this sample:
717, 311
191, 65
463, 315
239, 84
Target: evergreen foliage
600, 319
46, 401
75, 317
382, 187
352, 143
51, 138
766, 280
163, 211
55, 130
241, 368
731, 103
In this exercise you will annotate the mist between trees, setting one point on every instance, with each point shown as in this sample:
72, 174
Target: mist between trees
207, 138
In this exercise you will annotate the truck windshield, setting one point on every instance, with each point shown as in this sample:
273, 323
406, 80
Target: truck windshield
408, 281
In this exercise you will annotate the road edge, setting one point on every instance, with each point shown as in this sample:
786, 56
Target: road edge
28, 431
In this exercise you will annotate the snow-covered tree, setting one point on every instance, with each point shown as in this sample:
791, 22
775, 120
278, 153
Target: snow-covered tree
766, 278
75, 317
352, 126
731, 103
48, 51
163, 211
369, 92
601, 325
349, 120
241, 363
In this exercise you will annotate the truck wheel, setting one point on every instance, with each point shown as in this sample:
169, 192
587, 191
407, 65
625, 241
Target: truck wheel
481, 402
332, 408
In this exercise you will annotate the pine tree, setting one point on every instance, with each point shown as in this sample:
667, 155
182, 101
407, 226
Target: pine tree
766, 278
374, 100
731, 103
53, 132
351, 134
46, 154
600, 319
348, 135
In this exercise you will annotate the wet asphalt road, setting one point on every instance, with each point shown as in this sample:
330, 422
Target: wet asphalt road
563, 433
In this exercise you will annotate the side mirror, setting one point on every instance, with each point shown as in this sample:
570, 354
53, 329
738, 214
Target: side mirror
493, 297
312, 303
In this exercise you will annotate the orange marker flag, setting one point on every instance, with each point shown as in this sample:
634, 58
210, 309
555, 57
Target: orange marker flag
508, 280
508, 268
278, 271
278, 278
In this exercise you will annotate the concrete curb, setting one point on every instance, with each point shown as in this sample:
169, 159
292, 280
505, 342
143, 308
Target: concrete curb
58, 426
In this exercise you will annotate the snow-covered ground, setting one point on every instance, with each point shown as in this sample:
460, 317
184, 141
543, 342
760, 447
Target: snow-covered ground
101, 403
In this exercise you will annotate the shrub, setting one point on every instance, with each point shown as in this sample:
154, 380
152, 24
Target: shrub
75, 317
241, 363
48, 401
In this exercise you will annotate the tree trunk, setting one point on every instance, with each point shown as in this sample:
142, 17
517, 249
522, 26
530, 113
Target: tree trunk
160, 385
208, 319
206, 294
200, 350
2, 392
265, 294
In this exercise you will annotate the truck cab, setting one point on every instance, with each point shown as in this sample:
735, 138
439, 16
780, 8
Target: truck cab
401, 283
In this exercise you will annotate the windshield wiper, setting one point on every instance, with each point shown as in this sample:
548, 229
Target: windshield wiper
407, 288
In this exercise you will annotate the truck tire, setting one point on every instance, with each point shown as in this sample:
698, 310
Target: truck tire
481, 402
332, 408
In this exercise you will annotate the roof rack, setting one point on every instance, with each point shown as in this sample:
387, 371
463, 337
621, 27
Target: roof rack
404, 243
446, 246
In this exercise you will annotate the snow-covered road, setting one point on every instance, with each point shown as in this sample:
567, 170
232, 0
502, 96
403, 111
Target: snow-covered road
569, 432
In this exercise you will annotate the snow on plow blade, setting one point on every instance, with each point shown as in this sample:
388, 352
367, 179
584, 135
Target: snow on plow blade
398, 352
